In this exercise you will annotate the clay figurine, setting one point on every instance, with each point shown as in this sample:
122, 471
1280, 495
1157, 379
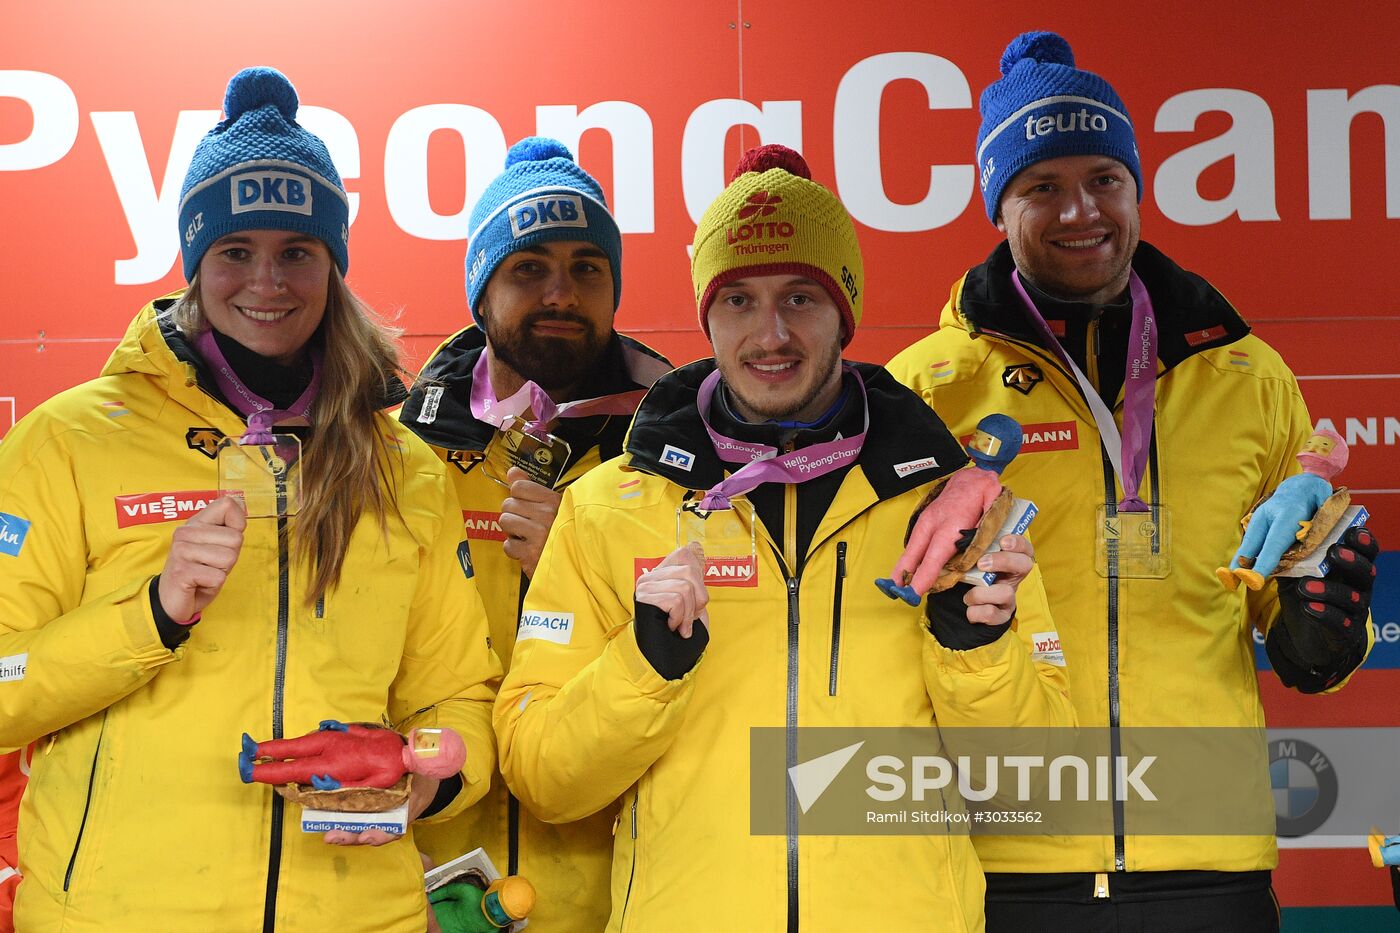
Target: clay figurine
462, 907
1295, 519
338, 757
959, 518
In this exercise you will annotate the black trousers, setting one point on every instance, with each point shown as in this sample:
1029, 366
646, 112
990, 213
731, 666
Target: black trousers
1151, 902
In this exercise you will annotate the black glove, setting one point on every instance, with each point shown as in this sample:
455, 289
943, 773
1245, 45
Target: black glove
947, 620
1322, 620
668, 653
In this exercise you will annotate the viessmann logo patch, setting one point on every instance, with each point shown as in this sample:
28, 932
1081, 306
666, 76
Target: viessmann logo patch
483, 526
152, 508
1049, 435
1053, 435
719, 571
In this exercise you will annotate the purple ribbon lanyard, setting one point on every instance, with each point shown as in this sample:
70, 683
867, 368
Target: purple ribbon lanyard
530, 397
765, 464
259, 412
1126, 451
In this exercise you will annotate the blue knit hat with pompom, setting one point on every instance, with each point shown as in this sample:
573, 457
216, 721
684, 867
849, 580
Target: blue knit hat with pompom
1043, 108
257, 169
542, 195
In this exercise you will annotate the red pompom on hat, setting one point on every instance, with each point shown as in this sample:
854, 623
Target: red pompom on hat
762, 158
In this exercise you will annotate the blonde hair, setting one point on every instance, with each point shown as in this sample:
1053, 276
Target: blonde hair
348, 467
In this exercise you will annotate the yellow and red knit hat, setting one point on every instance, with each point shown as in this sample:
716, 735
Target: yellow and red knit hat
774, 220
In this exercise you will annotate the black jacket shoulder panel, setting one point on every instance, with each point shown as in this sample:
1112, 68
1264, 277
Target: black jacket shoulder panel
1191, 314
904, 432
447, 378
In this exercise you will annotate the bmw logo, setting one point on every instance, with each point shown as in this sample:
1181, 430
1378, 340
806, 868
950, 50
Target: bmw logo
1304, 785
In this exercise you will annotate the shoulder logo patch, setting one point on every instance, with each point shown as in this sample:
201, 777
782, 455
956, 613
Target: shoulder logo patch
557, 627
1197, 337
1022, 377
464, 557
432, 398
13, 668
1045, 647
680, 459
13, 531
915, 466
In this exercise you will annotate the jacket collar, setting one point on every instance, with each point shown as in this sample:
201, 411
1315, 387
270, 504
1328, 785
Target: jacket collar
667, 434
453, 426
154, 345
1192, 315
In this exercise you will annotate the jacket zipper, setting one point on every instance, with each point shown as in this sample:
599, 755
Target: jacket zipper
836, 613
87, 803
790, 561
793, 619
1115, 738
512, 804
631, 872
274, 852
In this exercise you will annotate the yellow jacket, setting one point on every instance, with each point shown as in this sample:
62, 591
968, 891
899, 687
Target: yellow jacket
135, 817
1140, 652
583, 718
567, 863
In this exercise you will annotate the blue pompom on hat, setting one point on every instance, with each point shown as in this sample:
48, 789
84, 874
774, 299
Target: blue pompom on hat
1043, 108
542, 195
257, 169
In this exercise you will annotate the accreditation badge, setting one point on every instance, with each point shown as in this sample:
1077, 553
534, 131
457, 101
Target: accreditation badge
1133, 544
728, 537
518, 443
266, 476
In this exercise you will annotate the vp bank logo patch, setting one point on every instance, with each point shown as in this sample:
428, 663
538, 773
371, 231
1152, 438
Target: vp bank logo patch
1045, 647
543, 213
270, 191
13, 531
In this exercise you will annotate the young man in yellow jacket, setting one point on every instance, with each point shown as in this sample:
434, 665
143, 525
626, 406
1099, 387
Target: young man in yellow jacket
639, 672
1150, 414
544, 277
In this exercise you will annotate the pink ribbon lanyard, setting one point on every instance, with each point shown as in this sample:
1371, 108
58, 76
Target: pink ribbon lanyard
530, 397
764, 463
260, 414
1139, 391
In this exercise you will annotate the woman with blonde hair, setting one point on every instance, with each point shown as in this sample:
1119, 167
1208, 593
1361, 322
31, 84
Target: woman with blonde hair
147, 620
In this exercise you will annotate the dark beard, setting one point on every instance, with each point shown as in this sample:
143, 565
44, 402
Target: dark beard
552, 363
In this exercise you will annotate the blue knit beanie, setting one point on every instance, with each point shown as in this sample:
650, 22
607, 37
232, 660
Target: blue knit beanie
1044, 108
258, 170
542, 195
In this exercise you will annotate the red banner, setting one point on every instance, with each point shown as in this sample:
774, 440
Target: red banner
1270, 146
